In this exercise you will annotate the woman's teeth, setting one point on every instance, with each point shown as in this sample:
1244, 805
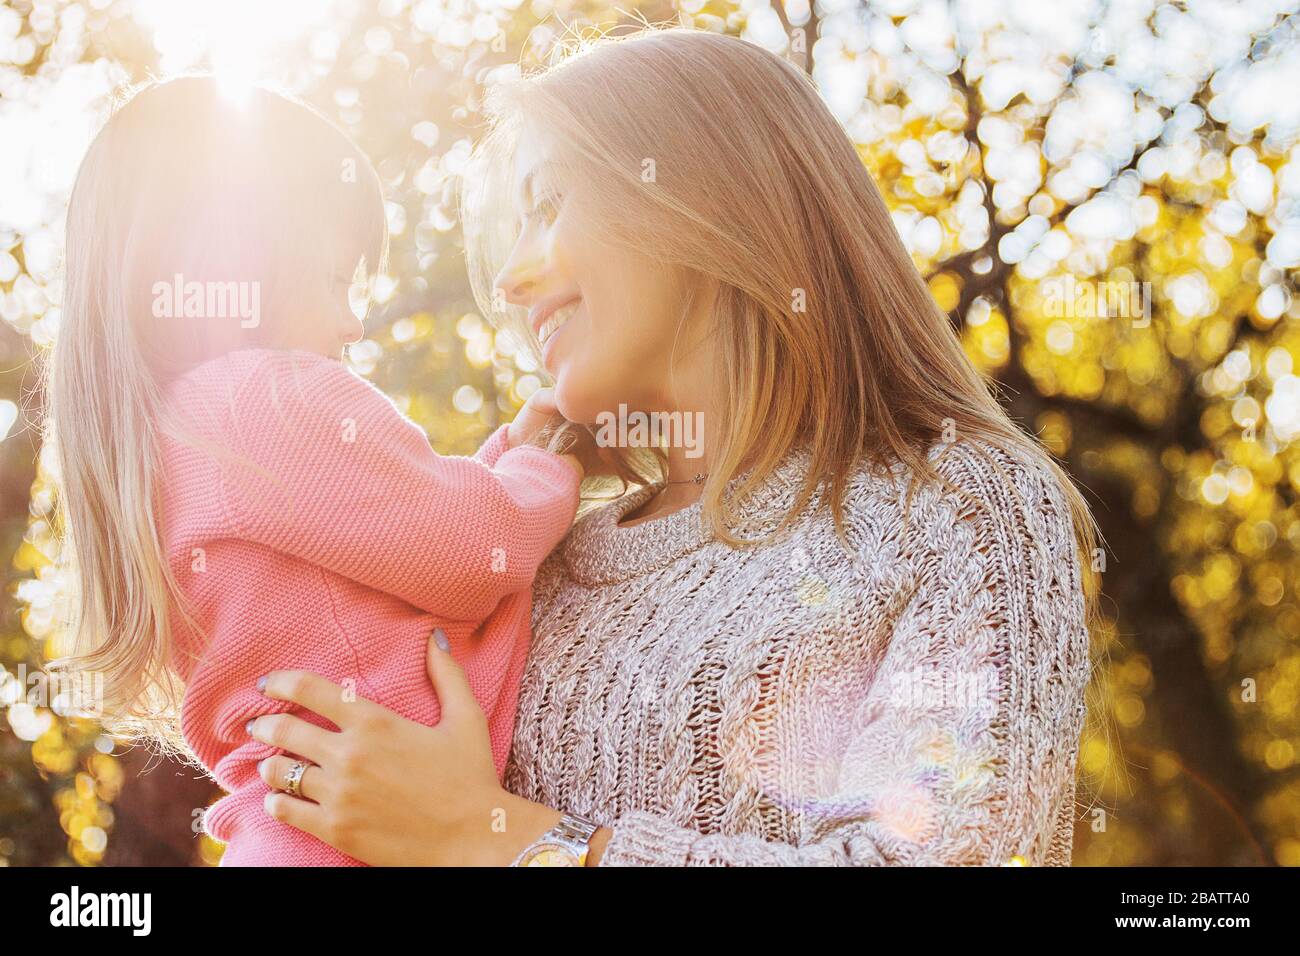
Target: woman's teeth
557, 319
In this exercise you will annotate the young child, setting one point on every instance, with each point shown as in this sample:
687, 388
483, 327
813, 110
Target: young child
237, 501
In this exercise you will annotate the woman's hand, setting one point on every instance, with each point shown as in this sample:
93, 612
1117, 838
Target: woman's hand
390, 791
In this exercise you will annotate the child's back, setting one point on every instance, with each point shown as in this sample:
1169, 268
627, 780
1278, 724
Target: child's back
311, 526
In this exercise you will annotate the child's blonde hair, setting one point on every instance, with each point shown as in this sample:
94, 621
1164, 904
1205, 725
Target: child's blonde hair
182, 185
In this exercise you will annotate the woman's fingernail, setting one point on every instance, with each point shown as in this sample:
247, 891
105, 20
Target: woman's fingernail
261, 684
440, 638
249, 726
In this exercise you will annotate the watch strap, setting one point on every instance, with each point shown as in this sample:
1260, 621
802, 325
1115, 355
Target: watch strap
575, 829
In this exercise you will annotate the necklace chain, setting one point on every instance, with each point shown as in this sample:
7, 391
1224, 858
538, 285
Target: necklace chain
697, 480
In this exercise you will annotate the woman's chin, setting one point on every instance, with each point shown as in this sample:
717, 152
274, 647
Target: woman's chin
573, 402
567, 407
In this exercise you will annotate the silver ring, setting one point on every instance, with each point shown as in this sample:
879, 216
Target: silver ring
293, 778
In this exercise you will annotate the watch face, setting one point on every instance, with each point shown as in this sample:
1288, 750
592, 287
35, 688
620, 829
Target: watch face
550, 854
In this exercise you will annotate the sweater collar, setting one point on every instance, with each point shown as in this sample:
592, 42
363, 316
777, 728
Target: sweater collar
599, 551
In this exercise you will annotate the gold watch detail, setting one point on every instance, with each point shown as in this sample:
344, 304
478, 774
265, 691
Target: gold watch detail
565, 844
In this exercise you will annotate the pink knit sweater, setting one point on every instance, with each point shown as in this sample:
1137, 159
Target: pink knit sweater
311, 525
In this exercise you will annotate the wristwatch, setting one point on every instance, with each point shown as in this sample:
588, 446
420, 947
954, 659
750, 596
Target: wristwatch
565, 844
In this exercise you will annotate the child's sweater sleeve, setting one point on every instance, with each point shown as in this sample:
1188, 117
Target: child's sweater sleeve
497, 444
327, 469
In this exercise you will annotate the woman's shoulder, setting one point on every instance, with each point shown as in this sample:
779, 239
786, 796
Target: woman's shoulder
974, 467
974, 486
987, 469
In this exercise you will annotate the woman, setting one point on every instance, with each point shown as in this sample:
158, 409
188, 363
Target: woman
853, 631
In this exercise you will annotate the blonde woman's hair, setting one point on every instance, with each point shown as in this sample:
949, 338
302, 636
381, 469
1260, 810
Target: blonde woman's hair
182, 180
759, 191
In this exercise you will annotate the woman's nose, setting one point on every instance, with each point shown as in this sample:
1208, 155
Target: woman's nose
520, 276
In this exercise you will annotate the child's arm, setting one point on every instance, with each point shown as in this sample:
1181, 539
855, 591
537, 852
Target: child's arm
497, 444
336, 475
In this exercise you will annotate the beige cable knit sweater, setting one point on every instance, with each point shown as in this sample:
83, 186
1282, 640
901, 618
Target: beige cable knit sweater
917, 699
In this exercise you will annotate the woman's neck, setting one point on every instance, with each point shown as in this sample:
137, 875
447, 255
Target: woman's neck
687, 467
693, 404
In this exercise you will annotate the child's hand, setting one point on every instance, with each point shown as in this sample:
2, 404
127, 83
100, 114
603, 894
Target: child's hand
536, 414
578, 448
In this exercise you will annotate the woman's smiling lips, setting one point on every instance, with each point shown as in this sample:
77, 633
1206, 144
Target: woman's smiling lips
540, 313
548, 317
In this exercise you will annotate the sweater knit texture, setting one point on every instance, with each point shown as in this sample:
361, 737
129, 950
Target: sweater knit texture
311, 526
913, 699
